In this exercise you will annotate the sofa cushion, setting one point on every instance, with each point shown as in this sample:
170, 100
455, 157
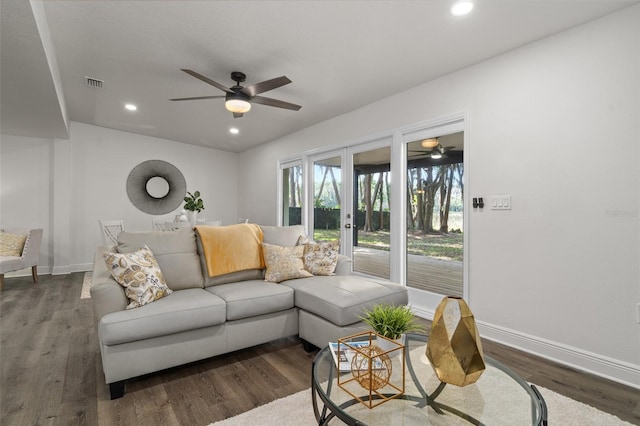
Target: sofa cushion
251, 298
10, 263
184, 310
283, 263
285, 236
342, 299
175, 251
139, 274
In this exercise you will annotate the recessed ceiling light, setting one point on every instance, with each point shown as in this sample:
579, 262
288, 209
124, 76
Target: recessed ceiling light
131, 107
234, 130
461, 7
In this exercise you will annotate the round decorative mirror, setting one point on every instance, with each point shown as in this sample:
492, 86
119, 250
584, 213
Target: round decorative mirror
156, 187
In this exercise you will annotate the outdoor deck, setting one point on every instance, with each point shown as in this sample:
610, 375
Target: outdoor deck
425, 273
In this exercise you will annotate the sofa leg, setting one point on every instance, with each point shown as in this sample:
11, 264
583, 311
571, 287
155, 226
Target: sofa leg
308, 347
116, 389
1, 282
34, 273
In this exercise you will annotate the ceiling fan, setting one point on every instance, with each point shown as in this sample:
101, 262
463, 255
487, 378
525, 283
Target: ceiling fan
238, 99
433, 149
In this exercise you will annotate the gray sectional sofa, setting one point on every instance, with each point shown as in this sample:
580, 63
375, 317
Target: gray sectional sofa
205, 317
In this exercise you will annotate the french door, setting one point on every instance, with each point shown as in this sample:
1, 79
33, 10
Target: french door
350, 193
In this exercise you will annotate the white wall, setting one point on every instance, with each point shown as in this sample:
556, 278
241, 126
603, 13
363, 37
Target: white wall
555, 124
88, 175
25, 188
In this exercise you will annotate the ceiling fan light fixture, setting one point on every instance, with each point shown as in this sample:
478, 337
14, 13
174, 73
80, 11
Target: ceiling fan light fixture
237, 105
438, 152
429, 143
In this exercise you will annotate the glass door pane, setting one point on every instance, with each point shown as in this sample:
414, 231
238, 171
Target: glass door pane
371, 199
435, 214
327, 198
292, 195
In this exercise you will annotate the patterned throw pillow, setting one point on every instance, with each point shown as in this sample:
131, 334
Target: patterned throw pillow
321, 258
11, 244
139, 274
303, 239
283, 263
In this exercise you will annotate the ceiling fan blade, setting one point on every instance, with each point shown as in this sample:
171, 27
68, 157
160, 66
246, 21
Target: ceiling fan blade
206, 80
274, 103
237, 115
274, 83
197, 98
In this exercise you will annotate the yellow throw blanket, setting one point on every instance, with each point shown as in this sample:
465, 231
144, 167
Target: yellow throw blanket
231, 248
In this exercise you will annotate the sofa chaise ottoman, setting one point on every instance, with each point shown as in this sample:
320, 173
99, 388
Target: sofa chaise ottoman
205, 315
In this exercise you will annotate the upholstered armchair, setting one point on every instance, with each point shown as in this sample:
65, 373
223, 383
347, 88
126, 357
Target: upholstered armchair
29, 256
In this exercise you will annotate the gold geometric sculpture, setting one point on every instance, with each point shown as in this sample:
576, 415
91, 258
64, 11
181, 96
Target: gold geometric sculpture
454, 348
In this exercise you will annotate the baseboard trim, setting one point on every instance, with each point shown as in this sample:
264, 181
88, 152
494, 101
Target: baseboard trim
589, 362
64, 270
42, 270
61, 270
599, 365
56, 270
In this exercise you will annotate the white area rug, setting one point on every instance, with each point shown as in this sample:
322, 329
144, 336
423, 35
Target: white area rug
296, 410
86, 285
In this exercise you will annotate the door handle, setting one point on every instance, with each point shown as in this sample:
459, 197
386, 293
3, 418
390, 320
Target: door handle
348, 225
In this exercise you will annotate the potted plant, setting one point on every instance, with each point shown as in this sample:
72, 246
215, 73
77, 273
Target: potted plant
391, 322
193, 204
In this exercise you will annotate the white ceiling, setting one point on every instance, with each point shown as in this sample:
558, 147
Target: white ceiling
340, 55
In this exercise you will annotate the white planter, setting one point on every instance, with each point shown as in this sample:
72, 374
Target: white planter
192, 217
386, 345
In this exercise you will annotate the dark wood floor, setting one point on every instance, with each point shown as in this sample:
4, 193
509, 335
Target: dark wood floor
51, 373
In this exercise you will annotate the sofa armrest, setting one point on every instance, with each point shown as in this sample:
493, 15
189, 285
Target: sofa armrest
106, 294
344, 265
31, 251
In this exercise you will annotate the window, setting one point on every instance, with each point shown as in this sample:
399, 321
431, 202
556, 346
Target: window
291, 182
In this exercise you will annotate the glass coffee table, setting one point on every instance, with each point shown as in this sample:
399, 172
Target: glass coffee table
499, 397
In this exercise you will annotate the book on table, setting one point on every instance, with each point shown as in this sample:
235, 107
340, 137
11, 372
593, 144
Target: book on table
343, 354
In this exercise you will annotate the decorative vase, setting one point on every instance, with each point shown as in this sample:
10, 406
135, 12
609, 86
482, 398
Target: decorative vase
454, 348
192, 217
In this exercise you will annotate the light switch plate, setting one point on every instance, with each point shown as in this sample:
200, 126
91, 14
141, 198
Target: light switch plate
501, 202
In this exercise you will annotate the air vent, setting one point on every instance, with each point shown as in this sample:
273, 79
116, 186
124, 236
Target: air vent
93, 82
